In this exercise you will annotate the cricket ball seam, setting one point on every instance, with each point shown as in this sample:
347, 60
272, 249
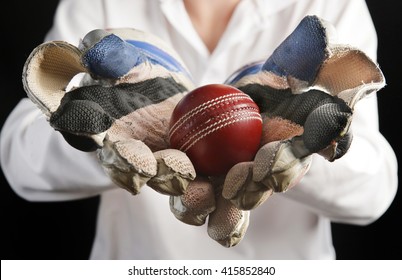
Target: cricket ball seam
200, 108
242, 116
199, 124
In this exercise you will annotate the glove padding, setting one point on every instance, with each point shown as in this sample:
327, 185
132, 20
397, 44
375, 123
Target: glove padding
306, 91
121, 107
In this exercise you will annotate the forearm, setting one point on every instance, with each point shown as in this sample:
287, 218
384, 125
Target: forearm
40, 165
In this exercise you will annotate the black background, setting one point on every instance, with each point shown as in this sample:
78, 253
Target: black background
65, 230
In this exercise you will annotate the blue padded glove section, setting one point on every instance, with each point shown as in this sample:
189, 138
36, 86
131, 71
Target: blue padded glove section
111, 57
301, 54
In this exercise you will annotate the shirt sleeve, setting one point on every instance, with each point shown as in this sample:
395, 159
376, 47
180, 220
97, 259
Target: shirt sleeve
359, 187
37, 162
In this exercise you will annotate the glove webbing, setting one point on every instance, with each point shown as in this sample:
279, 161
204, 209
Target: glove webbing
322, 116
92, 109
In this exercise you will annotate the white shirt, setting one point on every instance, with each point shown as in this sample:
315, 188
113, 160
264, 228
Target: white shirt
357, 189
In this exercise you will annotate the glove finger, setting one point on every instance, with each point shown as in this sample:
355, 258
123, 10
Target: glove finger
325, 126
156, 50
129, 56
241, 190
129, 163
300, 56
281, 165
48, 71
197, 202
227, 224
83, 123
175, 171
295, 62
106, 55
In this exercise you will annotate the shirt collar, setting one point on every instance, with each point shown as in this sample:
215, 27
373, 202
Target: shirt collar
265, 7
174, 11
270, 7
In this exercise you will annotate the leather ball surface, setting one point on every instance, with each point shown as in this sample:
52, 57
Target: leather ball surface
217, 126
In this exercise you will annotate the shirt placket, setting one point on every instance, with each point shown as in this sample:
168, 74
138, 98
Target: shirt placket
241, 26
177, 16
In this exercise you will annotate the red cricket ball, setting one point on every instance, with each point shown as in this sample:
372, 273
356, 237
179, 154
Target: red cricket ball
217, 126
